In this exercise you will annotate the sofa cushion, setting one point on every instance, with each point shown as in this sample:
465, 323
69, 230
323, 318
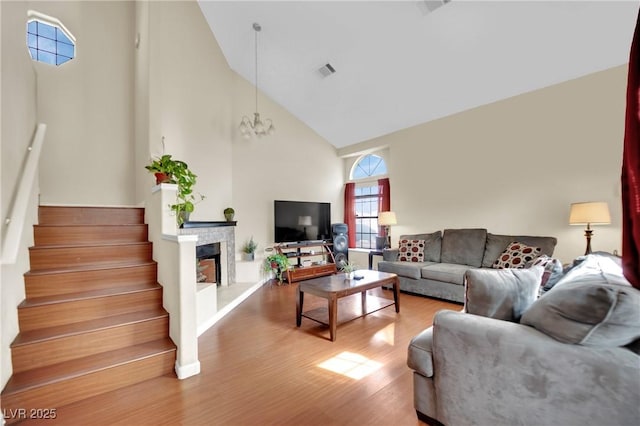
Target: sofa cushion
496, 244
419, 356
516, 255
502, 294
447, 272
403, 269
432, 243
411, 250
592, 305
463, 246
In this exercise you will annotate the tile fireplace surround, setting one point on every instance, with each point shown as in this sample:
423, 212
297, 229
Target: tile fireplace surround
217, 232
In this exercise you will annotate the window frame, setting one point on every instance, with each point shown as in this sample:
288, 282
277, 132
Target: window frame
34, 16
367, 181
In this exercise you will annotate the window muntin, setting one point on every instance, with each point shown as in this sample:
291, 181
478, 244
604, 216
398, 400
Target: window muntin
367, 206
49, 43
368, 166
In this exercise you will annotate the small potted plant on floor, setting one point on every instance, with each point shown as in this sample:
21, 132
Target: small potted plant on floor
278, 264
249, 249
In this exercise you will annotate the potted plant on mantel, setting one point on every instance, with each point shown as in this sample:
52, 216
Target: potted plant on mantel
229, 213
168, 170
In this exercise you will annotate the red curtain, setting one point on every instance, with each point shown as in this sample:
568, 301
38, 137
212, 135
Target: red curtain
350, 211
631, 169
384, 199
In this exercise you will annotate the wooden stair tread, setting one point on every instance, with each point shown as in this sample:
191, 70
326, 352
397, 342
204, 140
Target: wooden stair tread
92, 244
69, 297
91, 267
38, 377
44, 334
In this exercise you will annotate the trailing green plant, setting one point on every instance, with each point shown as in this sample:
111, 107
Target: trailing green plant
229, 210
277, 263
249, 246
178, 173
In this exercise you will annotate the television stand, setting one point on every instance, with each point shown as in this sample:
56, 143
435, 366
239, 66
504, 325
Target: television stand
310, 263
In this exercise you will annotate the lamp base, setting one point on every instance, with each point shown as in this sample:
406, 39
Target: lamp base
587, 233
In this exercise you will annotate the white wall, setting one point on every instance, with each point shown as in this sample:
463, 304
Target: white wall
88, 106
18, 125
190, 101
515, 166
293, 164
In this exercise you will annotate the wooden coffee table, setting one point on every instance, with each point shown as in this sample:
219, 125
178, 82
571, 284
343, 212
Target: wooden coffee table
334, 287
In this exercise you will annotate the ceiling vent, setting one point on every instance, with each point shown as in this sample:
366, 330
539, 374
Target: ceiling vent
428, 6
326, 70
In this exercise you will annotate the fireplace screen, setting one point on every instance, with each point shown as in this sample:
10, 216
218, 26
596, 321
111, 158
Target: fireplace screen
208, 263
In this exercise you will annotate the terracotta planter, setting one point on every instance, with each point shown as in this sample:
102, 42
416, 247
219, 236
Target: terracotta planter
162, 178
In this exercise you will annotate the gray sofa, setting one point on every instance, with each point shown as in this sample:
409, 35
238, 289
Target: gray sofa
570, 357
448, 255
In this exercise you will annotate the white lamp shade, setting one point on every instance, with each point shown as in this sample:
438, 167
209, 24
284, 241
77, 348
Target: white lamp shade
594, 213
387, 218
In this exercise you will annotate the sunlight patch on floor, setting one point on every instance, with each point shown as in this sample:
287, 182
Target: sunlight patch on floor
351, 365
387, 335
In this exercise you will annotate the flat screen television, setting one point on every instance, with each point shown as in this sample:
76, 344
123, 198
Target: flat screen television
297, 221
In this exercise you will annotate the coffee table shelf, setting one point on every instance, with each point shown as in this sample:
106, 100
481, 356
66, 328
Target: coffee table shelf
349, 309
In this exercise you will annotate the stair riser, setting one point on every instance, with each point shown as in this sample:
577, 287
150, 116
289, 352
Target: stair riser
87, 234
39, 285
47, 258
41, 354
51, 315
54, 215
85, 386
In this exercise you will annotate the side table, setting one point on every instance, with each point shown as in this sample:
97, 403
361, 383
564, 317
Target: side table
374, 253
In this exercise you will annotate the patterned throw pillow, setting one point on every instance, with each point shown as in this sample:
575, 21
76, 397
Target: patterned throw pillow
516, 255
411, 251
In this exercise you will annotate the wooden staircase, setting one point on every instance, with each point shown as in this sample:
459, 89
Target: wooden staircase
92, 320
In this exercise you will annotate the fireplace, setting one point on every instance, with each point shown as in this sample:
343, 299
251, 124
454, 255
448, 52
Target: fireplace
209, 268
222, 234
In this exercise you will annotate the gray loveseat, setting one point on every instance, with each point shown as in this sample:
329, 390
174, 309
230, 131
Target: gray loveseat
570, 357
448, 255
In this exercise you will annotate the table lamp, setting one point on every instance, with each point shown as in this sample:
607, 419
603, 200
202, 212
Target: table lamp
589, 213
387, 219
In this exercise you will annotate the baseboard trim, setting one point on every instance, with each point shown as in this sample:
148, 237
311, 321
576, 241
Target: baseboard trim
184, 371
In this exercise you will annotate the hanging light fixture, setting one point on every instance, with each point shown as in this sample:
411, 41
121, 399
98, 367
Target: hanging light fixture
257, 127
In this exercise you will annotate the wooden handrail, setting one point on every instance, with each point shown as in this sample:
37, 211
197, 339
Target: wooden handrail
15, 221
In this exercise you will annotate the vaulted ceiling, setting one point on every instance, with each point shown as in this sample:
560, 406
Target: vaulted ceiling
403, 63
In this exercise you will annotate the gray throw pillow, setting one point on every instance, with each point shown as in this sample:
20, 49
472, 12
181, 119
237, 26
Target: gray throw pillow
501, 293
591, 309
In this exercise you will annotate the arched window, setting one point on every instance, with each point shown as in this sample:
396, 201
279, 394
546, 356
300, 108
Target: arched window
368, 166
49, 41
369, 198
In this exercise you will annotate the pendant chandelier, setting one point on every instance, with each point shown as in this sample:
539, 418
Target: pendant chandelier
256, 126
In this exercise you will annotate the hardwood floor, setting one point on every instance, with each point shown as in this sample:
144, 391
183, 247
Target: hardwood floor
258, 368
